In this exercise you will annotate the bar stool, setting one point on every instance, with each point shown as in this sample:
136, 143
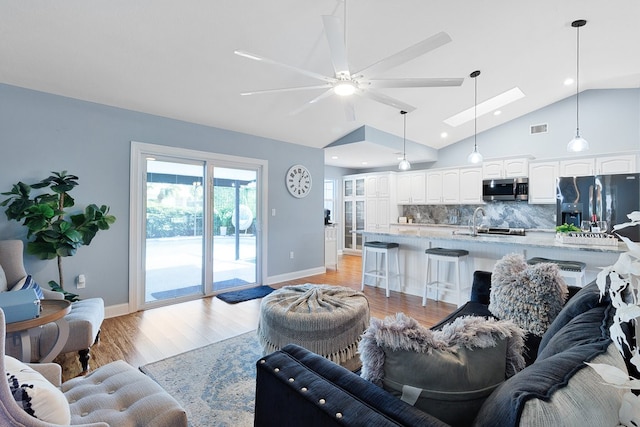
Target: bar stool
448, 256
571, 269
385, 250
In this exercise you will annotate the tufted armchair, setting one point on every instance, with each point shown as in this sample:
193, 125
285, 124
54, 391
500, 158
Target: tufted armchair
115, 394
84, 320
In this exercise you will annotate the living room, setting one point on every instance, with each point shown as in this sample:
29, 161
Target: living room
51, 124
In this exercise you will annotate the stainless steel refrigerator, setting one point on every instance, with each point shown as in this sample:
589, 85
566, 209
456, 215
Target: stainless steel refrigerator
607, 197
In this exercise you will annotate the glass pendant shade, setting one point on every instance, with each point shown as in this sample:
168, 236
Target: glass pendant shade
404, 165
475, 156
577, 144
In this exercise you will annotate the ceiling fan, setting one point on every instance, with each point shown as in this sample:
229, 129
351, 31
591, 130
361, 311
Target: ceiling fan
363, 82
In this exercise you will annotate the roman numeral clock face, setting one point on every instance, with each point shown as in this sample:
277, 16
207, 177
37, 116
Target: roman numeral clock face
298, 181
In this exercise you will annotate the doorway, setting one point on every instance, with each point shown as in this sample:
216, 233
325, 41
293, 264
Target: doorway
198, 231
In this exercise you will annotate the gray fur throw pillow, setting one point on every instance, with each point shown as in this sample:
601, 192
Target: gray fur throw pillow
448, 373
529, 295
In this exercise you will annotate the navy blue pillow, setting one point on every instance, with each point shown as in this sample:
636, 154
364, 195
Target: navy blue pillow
584, 300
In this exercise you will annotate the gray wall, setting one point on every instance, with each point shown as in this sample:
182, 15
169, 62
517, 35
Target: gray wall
41, 132
609, 120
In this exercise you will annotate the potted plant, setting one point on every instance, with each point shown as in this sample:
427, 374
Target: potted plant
56, 230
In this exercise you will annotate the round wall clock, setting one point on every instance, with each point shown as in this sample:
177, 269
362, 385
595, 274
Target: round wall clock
298, 181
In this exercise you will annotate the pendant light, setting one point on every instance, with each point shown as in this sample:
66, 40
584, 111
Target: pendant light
404, 163
578, 143
475, 156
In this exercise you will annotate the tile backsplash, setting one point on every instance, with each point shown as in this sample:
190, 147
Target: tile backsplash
497, 214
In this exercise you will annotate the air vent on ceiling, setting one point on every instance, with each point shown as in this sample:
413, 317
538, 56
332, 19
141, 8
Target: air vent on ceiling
539, 128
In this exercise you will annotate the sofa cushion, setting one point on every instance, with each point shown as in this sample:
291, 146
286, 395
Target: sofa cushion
529, 295
481, 287
35, 395
446, 373
549, 383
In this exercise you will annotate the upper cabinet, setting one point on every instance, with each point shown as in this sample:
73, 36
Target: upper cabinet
507, 168
542, 182
443, 186
616, 164
378, 185
353, 186
411, 188
602, 165
471, 186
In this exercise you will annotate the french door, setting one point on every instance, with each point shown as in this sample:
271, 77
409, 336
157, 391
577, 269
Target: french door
198, 225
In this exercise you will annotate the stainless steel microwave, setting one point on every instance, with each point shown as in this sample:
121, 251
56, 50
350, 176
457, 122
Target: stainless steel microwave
511, 189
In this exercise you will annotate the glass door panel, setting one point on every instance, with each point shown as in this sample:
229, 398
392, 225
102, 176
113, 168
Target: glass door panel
174, 230
235, 237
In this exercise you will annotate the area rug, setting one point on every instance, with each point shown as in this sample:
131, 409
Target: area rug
215, 384
235, 297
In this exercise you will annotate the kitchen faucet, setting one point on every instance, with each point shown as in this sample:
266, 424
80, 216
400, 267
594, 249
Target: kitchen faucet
474, 229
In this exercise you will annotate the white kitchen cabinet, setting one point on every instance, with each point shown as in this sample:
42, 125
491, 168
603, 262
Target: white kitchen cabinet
411, 188
354, 186
471, 186
378, 214
542, 182
443, 187
601, 165
379, 185
505, 168
616, 164
577, 167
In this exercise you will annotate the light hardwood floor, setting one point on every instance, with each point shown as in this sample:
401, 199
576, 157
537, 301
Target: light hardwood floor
147, 336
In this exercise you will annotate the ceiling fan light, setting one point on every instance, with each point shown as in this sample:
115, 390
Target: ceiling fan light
577, 144
404, 165
345, 88
475, 156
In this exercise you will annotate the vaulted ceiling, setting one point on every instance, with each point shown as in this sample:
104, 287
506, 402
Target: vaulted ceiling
176, 59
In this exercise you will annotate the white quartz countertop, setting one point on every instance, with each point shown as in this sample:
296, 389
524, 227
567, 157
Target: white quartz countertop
537, 238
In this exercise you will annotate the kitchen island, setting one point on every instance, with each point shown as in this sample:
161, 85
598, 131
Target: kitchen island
484, 251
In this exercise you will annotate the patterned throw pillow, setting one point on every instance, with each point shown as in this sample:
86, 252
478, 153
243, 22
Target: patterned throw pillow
37, 396
28, 283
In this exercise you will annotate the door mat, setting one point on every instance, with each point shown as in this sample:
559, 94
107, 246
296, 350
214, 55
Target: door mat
235, 297
229, 283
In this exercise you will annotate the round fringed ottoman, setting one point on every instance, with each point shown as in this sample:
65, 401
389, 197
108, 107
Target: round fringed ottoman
327, 320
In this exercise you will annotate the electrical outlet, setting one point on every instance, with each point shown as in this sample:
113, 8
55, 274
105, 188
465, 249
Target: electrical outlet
291, 255
81, 281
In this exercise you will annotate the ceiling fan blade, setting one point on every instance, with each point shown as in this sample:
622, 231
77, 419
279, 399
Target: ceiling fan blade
379, 97
407, 54
335, 36
418, 82
260, 58
308, 104
286, 89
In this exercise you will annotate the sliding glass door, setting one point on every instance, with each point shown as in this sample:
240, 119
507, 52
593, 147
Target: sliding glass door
234, 212
196, 225
174, 256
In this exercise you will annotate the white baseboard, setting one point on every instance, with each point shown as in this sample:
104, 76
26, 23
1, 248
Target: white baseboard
116, 310
295, 275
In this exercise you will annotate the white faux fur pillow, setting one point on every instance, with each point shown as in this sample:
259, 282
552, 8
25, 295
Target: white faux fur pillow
37, 396
529, 295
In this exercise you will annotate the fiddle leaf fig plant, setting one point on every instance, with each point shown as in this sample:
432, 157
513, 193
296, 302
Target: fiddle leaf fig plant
56, 229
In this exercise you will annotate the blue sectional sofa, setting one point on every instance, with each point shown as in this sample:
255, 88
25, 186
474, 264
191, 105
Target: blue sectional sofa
296, 387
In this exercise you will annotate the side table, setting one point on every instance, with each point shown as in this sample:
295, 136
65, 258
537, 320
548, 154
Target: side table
51, 311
